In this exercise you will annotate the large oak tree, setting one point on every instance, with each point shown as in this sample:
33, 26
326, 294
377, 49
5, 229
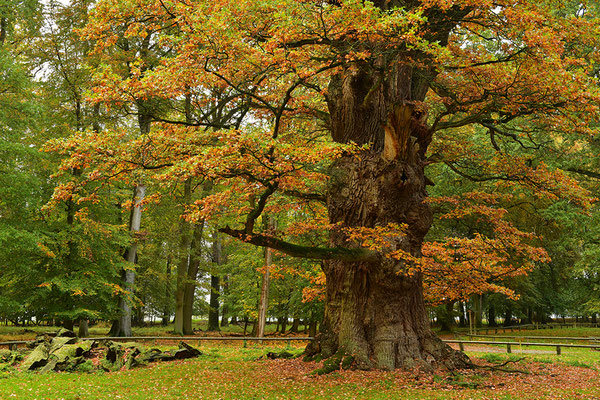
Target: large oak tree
394, 83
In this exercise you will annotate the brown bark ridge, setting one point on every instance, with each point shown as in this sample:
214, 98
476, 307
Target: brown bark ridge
374, 311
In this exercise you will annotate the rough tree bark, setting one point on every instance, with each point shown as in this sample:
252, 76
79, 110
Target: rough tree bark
374, 308
375, 311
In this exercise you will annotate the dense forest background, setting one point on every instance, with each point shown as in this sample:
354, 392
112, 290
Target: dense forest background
100, 221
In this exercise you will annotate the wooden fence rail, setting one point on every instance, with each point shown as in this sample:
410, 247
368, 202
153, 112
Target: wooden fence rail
587, 339
461, 343
14, 344
513, 328
509, 345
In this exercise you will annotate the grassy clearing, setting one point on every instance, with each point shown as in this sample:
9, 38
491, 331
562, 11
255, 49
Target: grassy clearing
588, 358
233, 372
229, 371
563, 332
583, 358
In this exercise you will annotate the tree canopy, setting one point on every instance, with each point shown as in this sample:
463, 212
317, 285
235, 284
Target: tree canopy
415, 151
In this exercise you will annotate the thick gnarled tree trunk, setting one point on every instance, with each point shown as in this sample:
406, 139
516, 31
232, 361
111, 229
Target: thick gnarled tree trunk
375, 311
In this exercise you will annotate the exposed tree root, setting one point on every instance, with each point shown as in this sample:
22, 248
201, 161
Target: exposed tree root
498, 367
339, 361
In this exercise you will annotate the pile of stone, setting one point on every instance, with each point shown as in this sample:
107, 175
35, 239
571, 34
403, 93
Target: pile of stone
65, 352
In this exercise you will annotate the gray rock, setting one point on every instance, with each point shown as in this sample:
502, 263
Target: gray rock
61, 341
37, 358
186, 351
66, 333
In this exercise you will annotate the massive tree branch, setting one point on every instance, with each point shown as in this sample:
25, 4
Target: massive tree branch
294, 250
306, 196
590, 174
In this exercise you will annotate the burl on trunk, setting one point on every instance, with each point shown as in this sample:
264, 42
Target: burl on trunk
375, 311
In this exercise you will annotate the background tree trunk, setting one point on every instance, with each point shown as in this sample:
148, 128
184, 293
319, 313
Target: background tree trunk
225, 307
508, 315
123, 324
166, 317
84, 330
476, 301
295, 325
312, 328
184, 259
192, 274
446, 317
462, 319
283, 322
213, 312
263, 303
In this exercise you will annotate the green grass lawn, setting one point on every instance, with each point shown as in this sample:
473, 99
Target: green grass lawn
230, 371
571, 356
233, 372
